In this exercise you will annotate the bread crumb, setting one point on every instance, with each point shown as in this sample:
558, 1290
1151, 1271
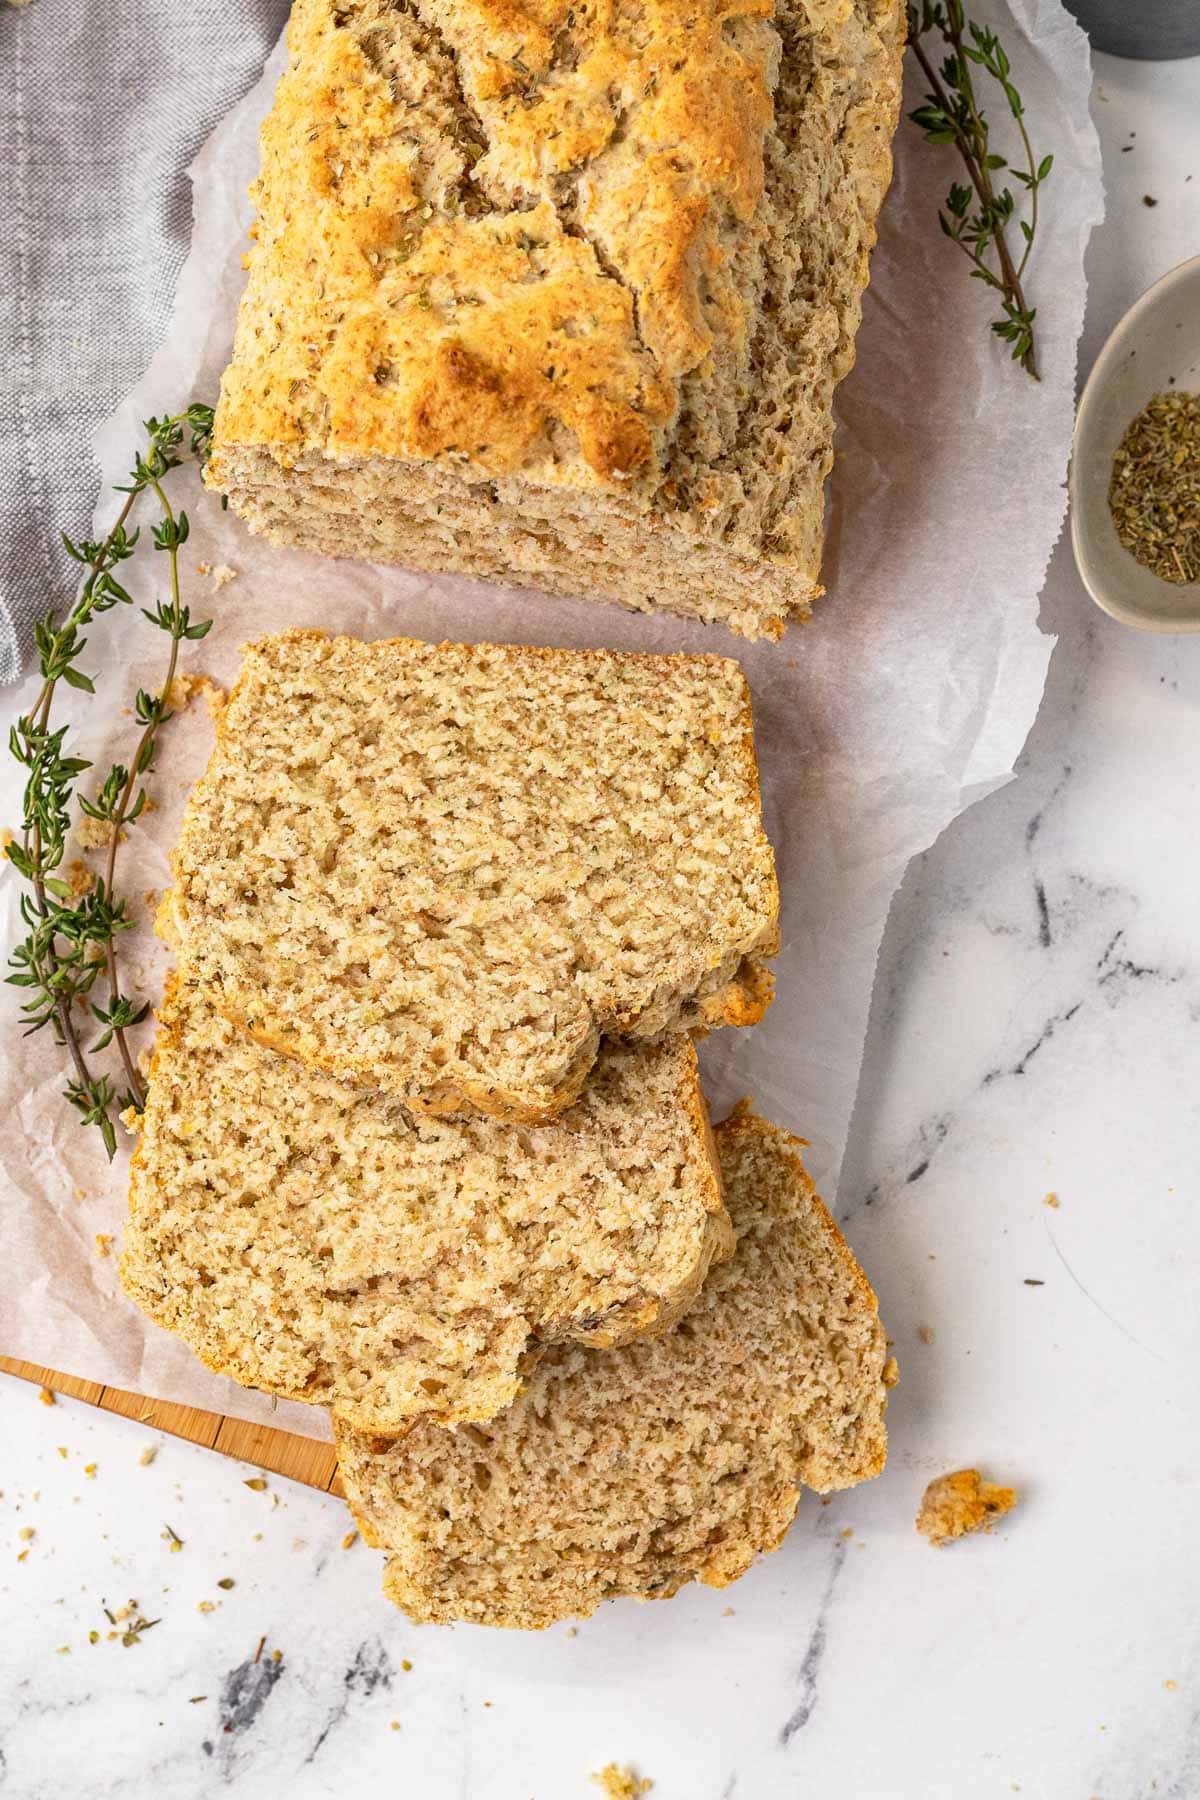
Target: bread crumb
62, 1451
89, 1470
104, 1243
277, 1656
891, 1372
405, 1665
220, 576
1052, 1200
572, 1631
256, 1482
27, 1534
205, 1606
47, 1396
351, 1537
927, 1334
621, 1784
95, 834
80, 879
728, 1613
848, 1531
395, 1725
148, 1455
956, 1504
1172, 1687
185, 687
63, 1650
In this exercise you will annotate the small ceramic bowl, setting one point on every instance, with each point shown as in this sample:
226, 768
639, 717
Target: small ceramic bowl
1155, 348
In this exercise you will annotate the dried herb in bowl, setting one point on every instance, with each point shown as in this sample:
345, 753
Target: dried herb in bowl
1154, 493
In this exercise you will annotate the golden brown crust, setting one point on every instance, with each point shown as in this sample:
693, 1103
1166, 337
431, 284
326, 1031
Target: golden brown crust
954, 1505
601, 256
744, 1001
743, 1121
430, 309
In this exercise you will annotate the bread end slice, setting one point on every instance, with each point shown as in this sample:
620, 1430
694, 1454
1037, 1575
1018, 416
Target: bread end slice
666, 1461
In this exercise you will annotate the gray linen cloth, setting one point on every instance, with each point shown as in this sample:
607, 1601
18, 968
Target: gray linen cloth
102, 108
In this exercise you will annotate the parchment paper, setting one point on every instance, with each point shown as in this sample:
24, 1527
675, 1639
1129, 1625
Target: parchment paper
907, 698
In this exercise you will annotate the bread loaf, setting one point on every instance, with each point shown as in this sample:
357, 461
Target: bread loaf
560, 295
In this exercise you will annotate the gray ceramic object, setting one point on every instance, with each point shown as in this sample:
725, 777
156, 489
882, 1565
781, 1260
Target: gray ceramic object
1155, 347
1151, 30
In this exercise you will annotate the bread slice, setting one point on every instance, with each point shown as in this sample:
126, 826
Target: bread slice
318, 1242
561, 295
661, 1463
445, 870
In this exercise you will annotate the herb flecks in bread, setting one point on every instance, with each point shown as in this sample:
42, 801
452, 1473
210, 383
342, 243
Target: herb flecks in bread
563, 297
445, 870
669, 1460
317, 1242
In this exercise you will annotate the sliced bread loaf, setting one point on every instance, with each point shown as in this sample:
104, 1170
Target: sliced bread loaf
318, 1242
445, 870
561, 294
660, 1463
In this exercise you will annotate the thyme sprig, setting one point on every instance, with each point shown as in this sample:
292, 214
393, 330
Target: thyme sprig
976, 217
72, 938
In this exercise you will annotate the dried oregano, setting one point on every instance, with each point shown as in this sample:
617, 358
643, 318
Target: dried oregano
1154, 494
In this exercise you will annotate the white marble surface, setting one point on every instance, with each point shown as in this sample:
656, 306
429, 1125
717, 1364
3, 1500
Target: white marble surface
1036, 1028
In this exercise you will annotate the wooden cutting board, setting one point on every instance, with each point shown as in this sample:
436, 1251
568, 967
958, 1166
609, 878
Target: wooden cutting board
282, 1452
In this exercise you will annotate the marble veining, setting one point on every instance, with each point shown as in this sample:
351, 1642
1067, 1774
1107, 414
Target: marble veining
814, 1655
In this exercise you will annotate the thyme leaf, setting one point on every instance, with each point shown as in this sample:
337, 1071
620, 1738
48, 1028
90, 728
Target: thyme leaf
71, 940
977, 215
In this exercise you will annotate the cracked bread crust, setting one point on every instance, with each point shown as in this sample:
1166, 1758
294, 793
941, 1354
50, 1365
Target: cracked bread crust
445, 871
516, 220
660, 1463
320, 1243
598, 262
